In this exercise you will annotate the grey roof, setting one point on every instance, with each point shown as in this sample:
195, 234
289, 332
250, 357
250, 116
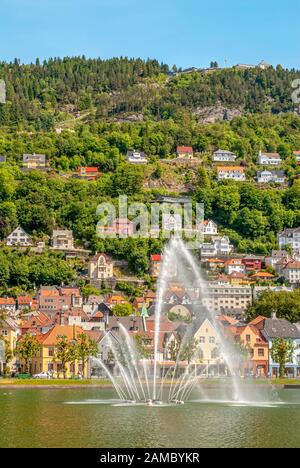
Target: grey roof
280, 328
130, 323
37, 157
274, 173
169, 199
225, 152
2, 158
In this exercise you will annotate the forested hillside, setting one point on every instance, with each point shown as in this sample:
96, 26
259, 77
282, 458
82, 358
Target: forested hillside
83, 112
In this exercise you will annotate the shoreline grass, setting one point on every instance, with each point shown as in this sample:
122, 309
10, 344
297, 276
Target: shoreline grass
88, 383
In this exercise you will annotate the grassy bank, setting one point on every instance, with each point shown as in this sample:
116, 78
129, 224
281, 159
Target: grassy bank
107, 384
53, 383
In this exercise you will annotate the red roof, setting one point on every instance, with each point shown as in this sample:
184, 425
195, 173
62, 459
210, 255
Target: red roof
7, 301
90, 169
185, 149
156, 258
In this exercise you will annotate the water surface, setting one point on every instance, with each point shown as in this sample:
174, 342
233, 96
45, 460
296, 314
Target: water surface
85, 418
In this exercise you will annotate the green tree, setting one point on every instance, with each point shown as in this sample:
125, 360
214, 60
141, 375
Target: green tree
122, 310
27, 349
85, 348
282, 352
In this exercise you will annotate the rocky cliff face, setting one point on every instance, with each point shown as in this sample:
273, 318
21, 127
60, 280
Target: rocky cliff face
217, 113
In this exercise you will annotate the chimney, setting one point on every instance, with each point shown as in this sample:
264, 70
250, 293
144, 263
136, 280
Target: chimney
62, 318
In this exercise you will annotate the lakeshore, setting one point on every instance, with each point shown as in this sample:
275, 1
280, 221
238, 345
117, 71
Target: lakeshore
106, 384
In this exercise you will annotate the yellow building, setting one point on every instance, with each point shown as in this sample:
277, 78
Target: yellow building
207, 357
9, 333
46, 361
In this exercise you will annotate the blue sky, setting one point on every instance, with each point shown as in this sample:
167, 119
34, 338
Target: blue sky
182, 32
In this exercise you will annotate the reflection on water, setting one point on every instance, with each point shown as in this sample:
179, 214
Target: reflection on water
94, 418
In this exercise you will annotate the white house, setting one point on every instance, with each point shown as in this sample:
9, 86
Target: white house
172, 222
136, 157
297, 156
269, 159
19, 237
224, 156
231, 172
265, 177
234, 265
290, 237
291, 272
220, 245
208, 228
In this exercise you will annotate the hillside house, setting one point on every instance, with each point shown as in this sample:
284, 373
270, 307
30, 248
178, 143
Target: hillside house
231, 172
87, 173
234, 265
34, 161
265, 177
101, 267
185, 152
62, 239
121, 227
289, 237
219, 246
19, 238
8, 304
136, 157
224, 156
291, 272
208, 228
269, 159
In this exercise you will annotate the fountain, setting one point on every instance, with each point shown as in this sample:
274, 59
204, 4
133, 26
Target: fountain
140, 379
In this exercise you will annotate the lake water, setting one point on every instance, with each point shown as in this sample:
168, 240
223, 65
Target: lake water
79, 418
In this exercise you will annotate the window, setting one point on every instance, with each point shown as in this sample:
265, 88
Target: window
248, 338
202, 339
51, 352
212, 339
4, 332
261, 352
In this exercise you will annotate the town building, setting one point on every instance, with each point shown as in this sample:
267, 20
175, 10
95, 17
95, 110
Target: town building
274, 328
231, 172
228, 300
263, 276
252, 263
47, 360
265, 177
87, 173
185, 152
101, 267
224, 156
53, 299
9, 331
19, 238
259, 290
208, 228
121, 227
289, 237
34, 161
256, 350
234, 265
219, 246
136, 157
26, 302
269, 159
291, 272
155, 265
172, 222
62, 239
8, 304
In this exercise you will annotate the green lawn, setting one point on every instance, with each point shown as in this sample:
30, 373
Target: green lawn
53, 382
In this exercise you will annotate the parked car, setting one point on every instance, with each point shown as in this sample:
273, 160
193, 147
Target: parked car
42, 375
